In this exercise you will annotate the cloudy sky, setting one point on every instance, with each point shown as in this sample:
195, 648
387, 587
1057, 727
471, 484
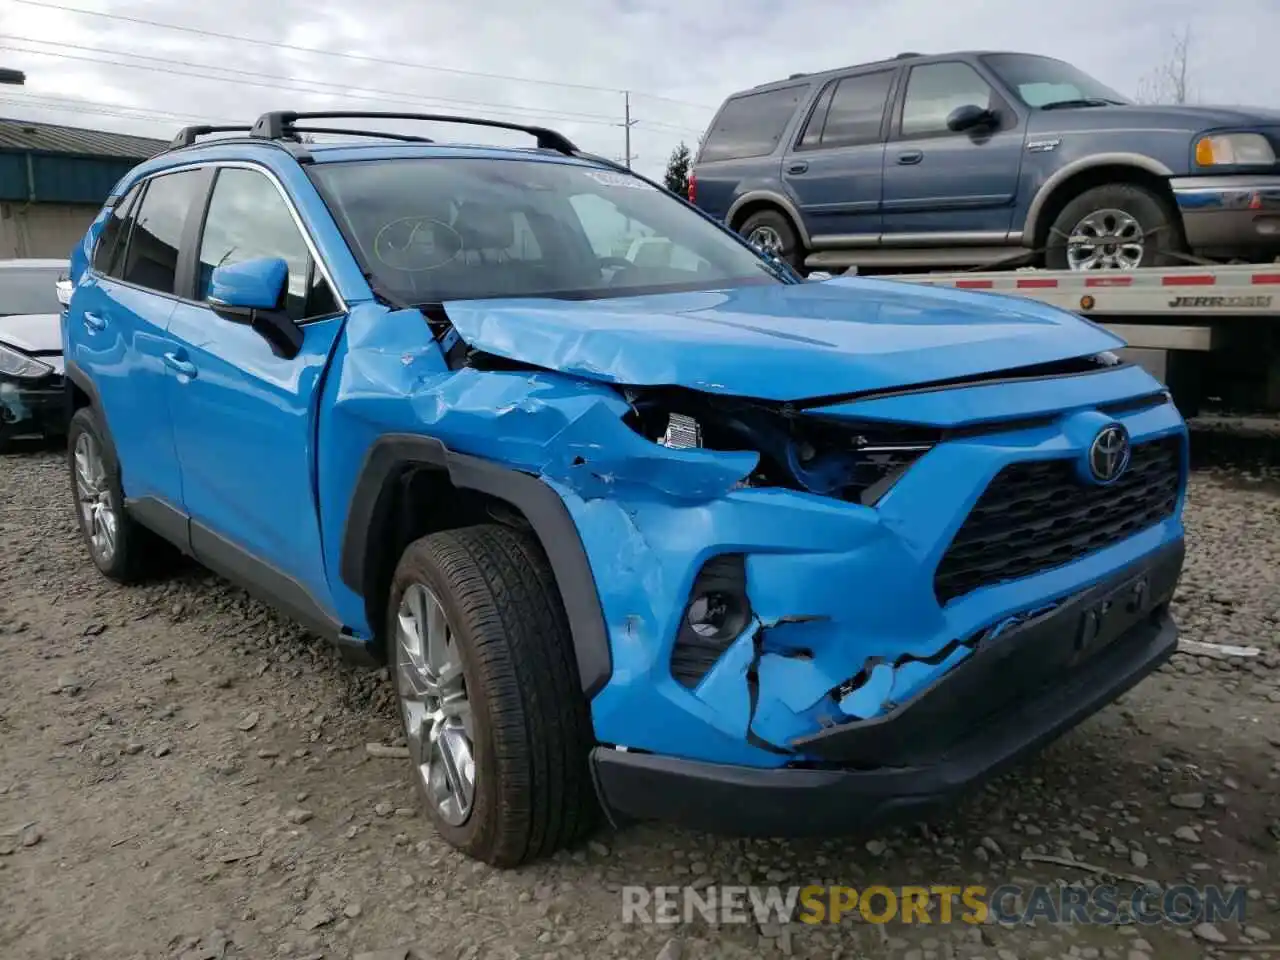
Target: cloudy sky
564, 63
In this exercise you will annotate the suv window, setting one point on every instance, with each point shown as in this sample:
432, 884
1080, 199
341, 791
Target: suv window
934, 90
152, 257
108, 255
849, 112
751, 125
433, 230
248, 219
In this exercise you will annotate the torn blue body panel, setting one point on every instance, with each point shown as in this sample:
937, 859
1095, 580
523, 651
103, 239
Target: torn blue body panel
781, 342
837, 589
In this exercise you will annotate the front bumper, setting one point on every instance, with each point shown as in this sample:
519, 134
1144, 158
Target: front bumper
1230, 215
1030, 685
32, 408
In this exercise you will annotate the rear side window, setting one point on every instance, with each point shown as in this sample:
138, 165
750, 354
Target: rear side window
751, 125
853, 114
152, 258
108, 255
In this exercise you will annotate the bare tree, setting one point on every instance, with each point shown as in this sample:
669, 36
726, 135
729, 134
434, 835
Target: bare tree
1169, 83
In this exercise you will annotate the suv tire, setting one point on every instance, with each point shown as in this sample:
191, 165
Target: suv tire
499, 699
1122, 211
123, 549
775, 224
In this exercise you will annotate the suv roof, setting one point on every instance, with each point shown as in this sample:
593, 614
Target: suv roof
887, 62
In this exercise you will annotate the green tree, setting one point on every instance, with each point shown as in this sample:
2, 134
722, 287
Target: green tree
676, 179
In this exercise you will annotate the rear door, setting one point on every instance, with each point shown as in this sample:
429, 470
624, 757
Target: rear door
942, 187
740, 151
244, 417
835, 168
122, 311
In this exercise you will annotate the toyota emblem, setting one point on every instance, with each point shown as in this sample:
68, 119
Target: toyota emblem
1109, 453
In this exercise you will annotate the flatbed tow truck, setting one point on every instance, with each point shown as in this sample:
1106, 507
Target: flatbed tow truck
1210, 333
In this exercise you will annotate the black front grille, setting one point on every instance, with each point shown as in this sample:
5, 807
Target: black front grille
1037, 515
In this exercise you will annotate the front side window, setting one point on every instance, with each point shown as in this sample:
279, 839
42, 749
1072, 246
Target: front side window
437, 229
154, 241
249, 219
935, 90
1046, 82
751, 125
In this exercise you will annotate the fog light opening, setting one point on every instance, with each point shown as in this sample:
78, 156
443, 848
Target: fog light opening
716, 615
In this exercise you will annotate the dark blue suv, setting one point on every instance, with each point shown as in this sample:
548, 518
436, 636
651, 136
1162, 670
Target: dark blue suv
962, 159
632, 512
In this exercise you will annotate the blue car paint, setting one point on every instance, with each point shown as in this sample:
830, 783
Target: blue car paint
648, 516
252, 284
781, 342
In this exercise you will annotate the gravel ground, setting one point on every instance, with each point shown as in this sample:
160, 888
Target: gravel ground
185, 775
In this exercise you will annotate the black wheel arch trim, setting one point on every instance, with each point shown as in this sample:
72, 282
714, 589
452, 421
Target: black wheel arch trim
73, 375
539, 504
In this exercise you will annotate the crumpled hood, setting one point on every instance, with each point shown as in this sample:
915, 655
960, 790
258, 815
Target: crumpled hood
781, 342
32, 332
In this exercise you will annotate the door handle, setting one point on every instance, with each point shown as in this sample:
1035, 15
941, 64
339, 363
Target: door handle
178, 365
800, 166
93, 322
910, 157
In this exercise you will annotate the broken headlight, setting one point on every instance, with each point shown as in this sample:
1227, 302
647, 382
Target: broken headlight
851, 461
17, 364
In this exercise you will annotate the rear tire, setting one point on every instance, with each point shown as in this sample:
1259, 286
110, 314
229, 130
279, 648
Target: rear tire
502, 699
1132, 226
772, 230
119, 546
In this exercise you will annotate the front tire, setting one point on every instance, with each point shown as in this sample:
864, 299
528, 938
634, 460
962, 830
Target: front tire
499, 731
1117, 226
119, 546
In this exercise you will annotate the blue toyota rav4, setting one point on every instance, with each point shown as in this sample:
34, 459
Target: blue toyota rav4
640, 521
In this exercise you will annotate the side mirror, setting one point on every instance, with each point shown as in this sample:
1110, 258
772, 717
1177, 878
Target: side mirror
970, 117
249, 285
251, 292
64, 292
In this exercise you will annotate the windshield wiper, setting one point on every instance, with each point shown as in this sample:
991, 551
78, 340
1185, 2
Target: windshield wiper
1081, 102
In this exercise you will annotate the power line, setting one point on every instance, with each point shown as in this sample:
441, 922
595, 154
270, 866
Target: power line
314, 87
95, 108
364, 58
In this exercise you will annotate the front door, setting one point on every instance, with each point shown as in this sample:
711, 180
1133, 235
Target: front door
835, 170
244, 417
943, 188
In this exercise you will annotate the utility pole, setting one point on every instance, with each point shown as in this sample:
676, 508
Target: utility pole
627, 124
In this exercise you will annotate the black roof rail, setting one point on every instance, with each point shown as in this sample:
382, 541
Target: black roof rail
406, 137
282, 124
187, 135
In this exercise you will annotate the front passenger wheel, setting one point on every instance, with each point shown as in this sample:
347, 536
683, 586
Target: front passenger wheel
1117, 226
498, 728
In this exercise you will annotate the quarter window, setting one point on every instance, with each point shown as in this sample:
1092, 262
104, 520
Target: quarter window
248, 219
751, 125
108, 255
936, 89
152, 258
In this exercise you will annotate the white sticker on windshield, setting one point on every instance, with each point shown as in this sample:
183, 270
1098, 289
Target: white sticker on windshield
617, 180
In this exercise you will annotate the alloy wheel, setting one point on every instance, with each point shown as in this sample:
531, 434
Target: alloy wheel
98, 513
1106, 240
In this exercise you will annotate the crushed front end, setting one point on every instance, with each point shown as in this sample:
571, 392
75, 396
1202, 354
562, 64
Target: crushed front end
899, 594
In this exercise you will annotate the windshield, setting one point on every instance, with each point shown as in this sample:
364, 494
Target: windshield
30, 290
439, 228
1044, 82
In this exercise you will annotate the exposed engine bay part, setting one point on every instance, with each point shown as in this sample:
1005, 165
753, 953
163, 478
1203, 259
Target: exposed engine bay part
849, 461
